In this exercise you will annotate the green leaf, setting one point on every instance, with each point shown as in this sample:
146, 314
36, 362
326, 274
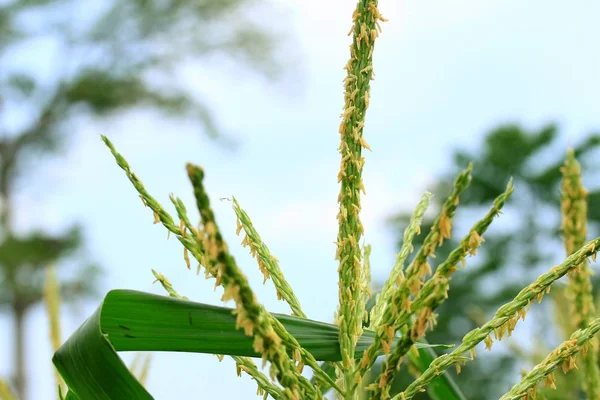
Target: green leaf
441, 388
135, 321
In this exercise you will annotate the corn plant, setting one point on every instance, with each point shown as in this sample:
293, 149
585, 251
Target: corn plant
339, 355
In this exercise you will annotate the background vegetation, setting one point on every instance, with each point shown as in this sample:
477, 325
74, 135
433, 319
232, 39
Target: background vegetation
97, 77
95, 61
516, 251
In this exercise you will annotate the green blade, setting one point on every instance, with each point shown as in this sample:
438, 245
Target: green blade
91, 368
136, 321
441, 388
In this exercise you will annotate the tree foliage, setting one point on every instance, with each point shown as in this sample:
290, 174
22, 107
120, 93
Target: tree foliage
514, 253
61, 60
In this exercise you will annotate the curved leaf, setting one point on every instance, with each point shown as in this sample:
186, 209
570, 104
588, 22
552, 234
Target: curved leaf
135, 321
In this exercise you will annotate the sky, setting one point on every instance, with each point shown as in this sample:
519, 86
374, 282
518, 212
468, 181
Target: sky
445, 73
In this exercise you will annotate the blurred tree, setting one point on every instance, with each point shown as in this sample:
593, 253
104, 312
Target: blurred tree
518, 247
62, 59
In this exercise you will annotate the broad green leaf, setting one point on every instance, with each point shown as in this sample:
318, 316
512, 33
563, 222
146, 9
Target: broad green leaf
135, 321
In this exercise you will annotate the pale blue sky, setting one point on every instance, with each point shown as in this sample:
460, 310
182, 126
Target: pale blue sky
445, 73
